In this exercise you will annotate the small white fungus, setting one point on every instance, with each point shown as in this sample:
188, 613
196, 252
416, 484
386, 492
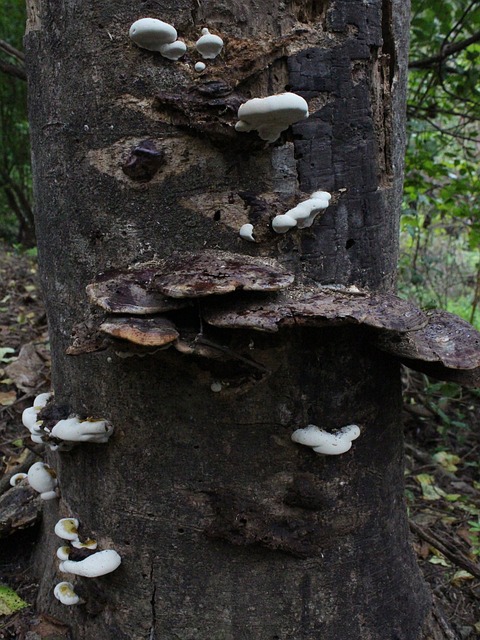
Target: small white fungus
151, 34
67, 529
65, 592
209, 45
246, 232
304, 214
271, 115
321, 441
98, 564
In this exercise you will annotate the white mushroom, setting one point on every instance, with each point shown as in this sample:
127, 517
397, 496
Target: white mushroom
246, 232
17, 478
200, 66
65, 592
151, 34
324, 442
67, 529
41, 401
76, 430
174, 50
43, 479
63, 552
30, 415
88, 544
303, 214
272, 115
282, 223
209, 45
98, 564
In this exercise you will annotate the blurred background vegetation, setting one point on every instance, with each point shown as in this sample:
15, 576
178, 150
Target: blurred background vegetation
440, 259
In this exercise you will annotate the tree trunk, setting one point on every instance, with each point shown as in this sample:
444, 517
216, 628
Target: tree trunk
226, 528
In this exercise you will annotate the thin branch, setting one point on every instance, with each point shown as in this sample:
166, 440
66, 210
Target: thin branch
11, 51
446, 51
12, 70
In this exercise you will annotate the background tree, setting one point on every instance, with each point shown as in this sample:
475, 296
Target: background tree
16, 217
226, 529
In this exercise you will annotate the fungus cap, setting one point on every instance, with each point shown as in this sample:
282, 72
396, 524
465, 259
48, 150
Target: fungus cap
246, 232
209, 46
271, 115
17, 479
67, 529
327, 443
65, 592
98, 564
42, 478
76, 430
151, 34
173, 50
63, 552
146, 332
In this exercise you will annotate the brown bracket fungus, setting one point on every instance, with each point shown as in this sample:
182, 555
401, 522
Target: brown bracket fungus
195, 275
146, 332
128, 292
317, 307
447, 348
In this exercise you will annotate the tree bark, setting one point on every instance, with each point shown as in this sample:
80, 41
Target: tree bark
226, 528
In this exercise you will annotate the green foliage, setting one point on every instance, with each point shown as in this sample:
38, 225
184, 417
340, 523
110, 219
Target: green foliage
15, 173
440, 261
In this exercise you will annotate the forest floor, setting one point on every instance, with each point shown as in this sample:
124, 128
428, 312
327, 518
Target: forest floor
442, 473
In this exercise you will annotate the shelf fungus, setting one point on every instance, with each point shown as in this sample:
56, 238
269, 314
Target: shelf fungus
74, 430
65, 593
329, 444
304, 214
209, 46
97, 564
146, 332
152, 34
447, 348
317, 307
196, 275
272, 115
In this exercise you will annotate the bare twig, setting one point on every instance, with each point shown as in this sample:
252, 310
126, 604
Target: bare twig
454, 556
12, 70
12, 51
448, 50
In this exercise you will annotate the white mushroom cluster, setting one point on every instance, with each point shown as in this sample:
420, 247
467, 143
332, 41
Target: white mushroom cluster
330, 444
271, 115
155, 35
97, 564
74, 430
65, 433
30, 417
303, 215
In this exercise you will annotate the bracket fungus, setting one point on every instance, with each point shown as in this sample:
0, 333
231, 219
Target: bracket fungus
271, 115
330, 444
209, 46
447, 348
128, 292
146, 332
151, 34
43, 479
195, 275
173, 50
316, 307
30, 418
304, 214
73, 430
95, 565
65, 593
17, 478
67, 529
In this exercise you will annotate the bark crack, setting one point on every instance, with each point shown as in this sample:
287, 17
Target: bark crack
153, 635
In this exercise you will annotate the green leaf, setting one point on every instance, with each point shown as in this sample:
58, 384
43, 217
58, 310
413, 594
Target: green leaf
10, 601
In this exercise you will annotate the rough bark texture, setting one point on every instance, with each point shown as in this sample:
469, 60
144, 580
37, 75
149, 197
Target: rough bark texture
227, 529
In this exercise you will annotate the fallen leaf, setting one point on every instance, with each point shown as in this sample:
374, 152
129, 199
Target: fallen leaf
447, 460
429, 490
10, 601
4, 351
7, 398
26, 371
459, 576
